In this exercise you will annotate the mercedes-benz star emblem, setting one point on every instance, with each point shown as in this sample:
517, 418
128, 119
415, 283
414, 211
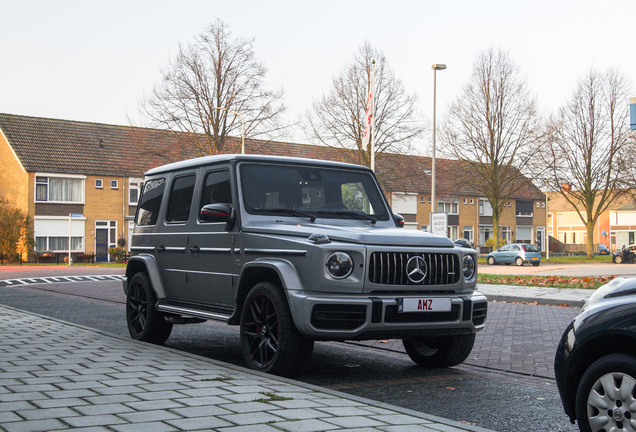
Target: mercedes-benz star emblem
416, 269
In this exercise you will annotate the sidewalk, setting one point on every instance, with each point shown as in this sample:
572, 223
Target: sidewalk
58, 376
573, 297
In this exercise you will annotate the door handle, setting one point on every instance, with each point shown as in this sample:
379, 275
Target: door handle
161, 248
195, 249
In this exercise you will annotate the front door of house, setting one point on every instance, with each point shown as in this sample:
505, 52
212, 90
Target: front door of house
105, 237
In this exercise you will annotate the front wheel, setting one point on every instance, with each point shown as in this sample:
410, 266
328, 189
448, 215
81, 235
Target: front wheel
491, 260
145, 323
269, 339
605, 397
442, 351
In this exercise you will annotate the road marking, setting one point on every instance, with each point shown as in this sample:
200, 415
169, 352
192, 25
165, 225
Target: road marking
58, 279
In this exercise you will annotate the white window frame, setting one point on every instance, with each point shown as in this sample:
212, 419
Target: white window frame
134, 184
48, 187
99, 184
114, 184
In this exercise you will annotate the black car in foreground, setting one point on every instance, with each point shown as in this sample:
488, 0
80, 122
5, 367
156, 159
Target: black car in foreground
595, 363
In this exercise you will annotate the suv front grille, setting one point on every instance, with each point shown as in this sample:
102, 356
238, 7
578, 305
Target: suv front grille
390, 268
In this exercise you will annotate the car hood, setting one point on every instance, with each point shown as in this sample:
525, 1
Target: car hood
369, 235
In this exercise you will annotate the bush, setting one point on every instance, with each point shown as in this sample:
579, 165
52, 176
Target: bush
117, 254
490, 241
16, 232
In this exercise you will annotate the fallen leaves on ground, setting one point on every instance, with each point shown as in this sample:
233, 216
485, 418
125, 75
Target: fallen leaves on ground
587, 282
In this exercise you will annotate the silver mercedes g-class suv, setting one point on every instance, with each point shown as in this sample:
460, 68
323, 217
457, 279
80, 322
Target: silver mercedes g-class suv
294, 250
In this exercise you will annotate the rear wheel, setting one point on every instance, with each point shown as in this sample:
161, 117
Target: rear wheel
269, 339
536, 264
145, 323
443, 351
519, 261
605, 398
491, 260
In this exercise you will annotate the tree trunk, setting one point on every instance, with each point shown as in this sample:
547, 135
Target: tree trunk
589, 247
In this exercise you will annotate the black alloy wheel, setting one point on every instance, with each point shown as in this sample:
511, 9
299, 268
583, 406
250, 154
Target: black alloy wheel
269, 340
145, 323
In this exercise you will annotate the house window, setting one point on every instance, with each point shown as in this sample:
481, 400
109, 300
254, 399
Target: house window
506, 234
133, 191
114, 184
446, 207
465, 201
59, 189
59, 244
468, 233
524, 208
538, 204
485, 209
99, 183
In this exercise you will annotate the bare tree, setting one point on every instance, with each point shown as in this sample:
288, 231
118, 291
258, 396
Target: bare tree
492, 127
589, 147
215, 71
338, 118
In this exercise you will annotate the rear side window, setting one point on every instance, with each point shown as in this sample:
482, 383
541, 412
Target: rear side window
150, 202
180, 199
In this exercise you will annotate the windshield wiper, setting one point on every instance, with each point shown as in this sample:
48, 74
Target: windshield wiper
353, 215
311, 216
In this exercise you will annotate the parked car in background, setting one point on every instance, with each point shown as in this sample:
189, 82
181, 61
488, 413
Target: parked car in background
462, 242
595, 363
518, 253
626, 255
603, 250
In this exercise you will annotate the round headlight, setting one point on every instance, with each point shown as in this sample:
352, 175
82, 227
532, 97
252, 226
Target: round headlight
469, 267
339, 265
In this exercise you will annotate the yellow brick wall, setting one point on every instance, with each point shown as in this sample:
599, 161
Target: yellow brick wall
105, 204
14, 181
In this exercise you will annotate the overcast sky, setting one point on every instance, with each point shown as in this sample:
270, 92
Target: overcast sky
93, 60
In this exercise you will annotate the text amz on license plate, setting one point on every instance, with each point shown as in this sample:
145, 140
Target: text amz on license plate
424, 304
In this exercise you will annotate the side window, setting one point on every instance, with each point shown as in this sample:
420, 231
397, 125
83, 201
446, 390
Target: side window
180, 199
217, 189
150, 202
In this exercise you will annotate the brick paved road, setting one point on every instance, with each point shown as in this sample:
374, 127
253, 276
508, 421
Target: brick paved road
519, 338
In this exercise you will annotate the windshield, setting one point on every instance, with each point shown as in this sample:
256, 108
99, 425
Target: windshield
311, 192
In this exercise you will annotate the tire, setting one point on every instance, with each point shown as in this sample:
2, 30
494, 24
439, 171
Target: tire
519, 261
145, 323
599, 388
270, 341
618, 259
491, 260
536, 264
439, 352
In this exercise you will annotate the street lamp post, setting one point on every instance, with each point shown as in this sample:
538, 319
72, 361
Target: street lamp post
435, 67
242, 126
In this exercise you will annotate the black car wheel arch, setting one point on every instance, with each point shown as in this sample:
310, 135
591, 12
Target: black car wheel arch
572, 365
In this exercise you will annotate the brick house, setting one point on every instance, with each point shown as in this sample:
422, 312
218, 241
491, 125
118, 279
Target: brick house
80, 181
615, 228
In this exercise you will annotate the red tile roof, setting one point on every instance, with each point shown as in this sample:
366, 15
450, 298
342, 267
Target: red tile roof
74, 147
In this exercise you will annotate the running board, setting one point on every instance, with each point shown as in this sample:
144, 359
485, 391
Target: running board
192, 312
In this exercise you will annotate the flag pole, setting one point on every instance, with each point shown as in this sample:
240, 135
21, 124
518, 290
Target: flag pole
372, 131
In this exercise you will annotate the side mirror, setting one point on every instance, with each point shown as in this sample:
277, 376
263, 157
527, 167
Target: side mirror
216, 213
399, 220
